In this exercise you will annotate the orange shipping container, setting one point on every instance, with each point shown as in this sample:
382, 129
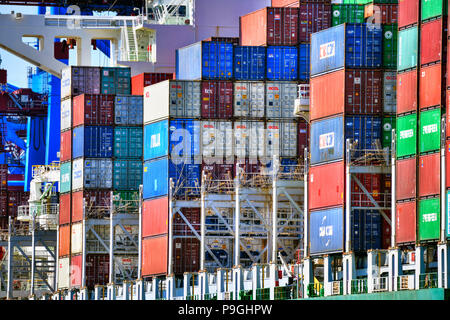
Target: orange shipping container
407, 91
64, 241
326, 185
154, 256
327, 91
64, 208
154, 217
430, 86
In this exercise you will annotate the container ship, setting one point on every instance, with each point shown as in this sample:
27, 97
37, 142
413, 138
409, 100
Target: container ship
226, 150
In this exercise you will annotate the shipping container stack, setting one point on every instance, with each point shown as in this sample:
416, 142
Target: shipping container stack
3, 196
101, 156
422, 61
352, 97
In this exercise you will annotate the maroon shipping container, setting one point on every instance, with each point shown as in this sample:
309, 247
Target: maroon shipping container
372, 183
303, 138
93, 109
386, 231
382, 13
154, 255
407, 92
4, 222
217, 99
406, 179
313, 17
192, 215
146, 79
218, 171
326, 185
405, 226
97, 270
233, 40
61, 50
3, 76
429, 174
155, 215
270, 26
248, 165
408, 13
285, 3
64, 241
346, 91
3, 177
431, 35
186, 255
64, 208
3, 203
16, 199
432, 81
65, 152
96, 201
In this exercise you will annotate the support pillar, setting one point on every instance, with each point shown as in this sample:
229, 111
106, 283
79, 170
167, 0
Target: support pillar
99, 292
308, 276
327, 275
256, 279
126, 295
220, 284
443, 265
155, 289
9, 289
170, 287
203, 283
273, 279
33, 253
111, 291
349, 271
420, 264
202, 223
238, 282
140, 289
186, 285
370, 270
237, 219
395, 268
84, 294
111, 239
274, 210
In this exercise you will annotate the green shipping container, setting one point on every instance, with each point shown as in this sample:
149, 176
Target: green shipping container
127, 174
116, 81
65, 184
128, 142
429, 219
390, 39
347, 13
430, 130
433, 8
388, 124
406, 135
407, 49
126, 200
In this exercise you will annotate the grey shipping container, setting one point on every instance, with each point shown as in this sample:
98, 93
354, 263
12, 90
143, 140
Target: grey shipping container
280, 99
249, 98
128, 110
390, 92
91, 174
79, 80
281, 137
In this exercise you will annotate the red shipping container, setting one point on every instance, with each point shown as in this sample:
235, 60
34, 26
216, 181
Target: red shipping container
65, 153
217, 99
270, 26
154, 256
373, 184
431, 35
408, 12
3, 177
303, 138
64, 241
96, 267
3, 203
93, 109
447, 130
406, 178
382, 13
405, 224
313, 17
76, 270
142, 80
447, 164
155, 215
16, 199
326, 185
180, 228
96, 201
429, 174
386, 231
407, 92
64, 208
186, 255
61, 50
285, 3
432, 81
3, 76
349, 91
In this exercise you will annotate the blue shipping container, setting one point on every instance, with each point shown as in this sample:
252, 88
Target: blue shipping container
304, 61
328, 138
128, 142
92, 142
282, 63
346, 45
249, 63
180, 137
128, 110
366, 230
186, 178
205, 60
326, 231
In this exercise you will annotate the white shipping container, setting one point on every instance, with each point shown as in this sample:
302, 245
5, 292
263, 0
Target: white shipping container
172, 98
76, 240
66, 82
66, 114
63, 273
281, 139
217, 137
249, 139
389, 92
280, 99
91, 174
249, 99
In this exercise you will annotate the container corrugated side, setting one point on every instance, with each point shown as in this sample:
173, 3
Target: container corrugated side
282, 63
407, 49
155, 217
280, 99
430, 130
431, 37
76, 240
429, 175
127, 174
408, 13
129, 109
326, 231
281, 139
249, 63
92, 142
433, 8
66, 114
64, 241
431, 86
406, 222
326, 184
91, 174
406, 135
63, 273
406, 171
249, 99
154, 255
429, 219
128, 142
407, 91
65, 177
313, 17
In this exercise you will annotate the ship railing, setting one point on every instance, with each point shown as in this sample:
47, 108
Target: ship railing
406, 282
428, 280
263, 294
288, 292
358, 286
210, 296
336, 288
315, 290
78, 21
380, 284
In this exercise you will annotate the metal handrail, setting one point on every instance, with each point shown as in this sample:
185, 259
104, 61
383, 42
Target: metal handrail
380, 284
358, 286
406, 282
428, 280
